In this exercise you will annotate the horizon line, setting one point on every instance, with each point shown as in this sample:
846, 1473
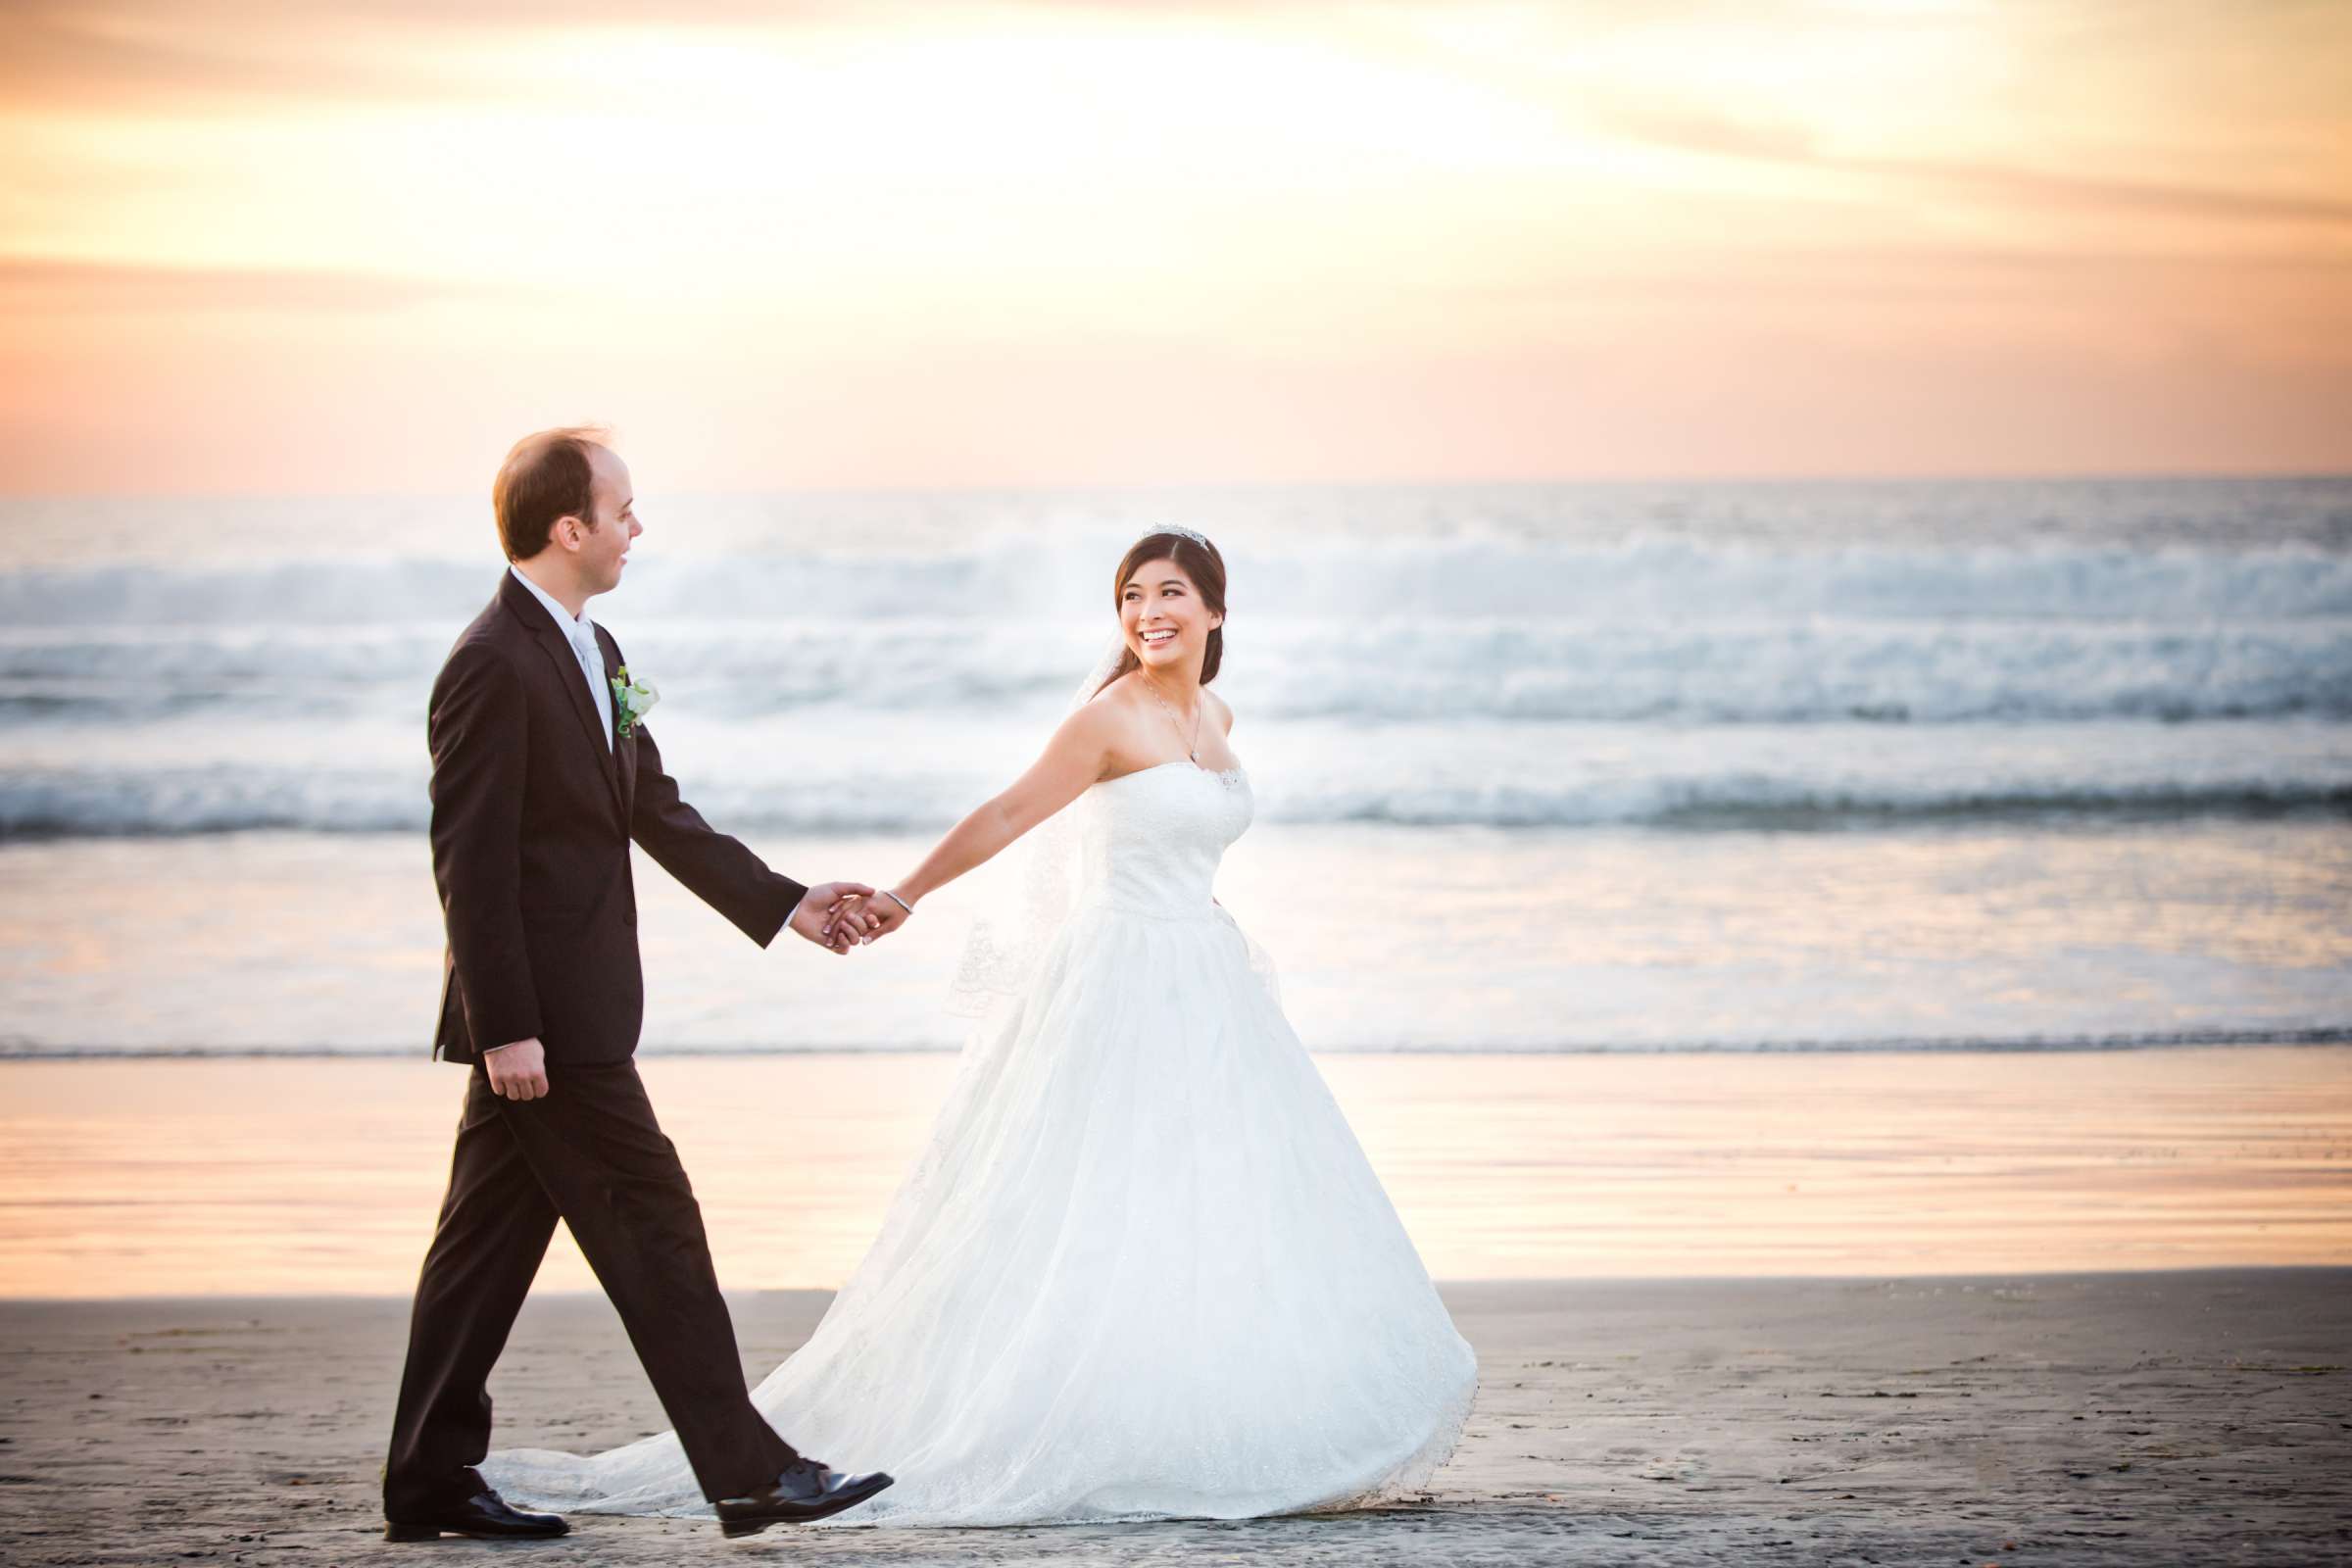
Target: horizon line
1114, 486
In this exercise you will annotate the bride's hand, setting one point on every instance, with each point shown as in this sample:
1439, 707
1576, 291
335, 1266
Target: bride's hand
886, 914
828, 915
849, 923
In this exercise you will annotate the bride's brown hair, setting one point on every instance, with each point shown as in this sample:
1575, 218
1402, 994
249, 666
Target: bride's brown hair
1199, 561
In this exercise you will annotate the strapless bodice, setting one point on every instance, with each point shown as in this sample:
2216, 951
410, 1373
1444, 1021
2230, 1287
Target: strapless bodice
1148, 842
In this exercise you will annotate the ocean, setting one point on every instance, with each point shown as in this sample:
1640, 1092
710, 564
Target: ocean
1737, 767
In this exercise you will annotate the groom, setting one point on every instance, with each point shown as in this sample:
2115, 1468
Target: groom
539, 786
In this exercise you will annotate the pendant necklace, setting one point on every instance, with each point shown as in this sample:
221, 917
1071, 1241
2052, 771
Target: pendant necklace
1192, 752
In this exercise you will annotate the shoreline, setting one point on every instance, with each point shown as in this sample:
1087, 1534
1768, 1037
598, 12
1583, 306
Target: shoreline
2065, 1419
1603, 939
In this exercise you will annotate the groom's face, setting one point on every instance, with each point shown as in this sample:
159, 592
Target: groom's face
605, 549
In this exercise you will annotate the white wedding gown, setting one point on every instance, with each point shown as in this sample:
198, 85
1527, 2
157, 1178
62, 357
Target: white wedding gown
1141, 1270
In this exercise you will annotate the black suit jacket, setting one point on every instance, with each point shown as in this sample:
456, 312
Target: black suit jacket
532, 820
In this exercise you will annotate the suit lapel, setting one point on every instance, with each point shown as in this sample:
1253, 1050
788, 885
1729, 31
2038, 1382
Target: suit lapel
625, 752
569, 676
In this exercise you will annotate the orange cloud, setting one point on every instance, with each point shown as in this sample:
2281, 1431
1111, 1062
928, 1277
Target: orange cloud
1026, 243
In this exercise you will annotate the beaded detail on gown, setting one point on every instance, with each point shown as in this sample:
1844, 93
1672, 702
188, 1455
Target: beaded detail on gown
1142, 1268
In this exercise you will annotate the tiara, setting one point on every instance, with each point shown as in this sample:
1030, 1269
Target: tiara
1182, 532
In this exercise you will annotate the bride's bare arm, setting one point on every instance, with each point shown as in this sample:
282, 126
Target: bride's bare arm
1078, 755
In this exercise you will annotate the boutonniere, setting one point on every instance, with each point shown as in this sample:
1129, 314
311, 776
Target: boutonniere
632, 699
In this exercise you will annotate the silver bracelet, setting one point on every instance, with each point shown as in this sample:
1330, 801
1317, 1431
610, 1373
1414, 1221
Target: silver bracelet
900, 902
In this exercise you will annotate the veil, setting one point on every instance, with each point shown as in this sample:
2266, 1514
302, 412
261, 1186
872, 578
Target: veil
1007, 942
1005, 948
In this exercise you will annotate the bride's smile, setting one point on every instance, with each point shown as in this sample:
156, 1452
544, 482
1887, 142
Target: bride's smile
1161, 613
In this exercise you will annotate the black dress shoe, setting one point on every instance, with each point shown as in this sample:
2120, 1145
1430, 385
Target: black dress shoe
484, 1514
805, 1490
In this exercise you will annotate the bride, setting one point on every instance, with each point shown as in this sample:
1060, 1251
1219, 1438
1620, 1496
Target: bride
1142, 1269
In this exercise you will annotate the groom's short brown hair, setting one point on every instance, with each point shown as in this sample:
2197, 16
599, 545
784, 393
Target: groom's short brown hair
546, 476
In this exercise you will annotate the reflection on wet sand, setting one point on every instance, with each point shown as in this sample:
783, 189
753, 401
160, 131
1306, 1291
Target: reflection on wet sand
269, 1176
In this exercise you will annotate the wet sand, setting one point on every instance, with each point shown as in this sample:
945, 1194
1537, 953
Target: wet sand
252, 1177
2142, 1417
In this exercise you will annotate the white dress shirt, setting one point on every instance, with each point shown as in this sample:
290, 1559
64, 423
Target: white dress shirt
579, 631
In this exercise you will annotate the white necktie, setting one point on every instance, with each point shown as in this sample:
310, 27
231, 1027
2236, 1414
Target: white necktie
582, 637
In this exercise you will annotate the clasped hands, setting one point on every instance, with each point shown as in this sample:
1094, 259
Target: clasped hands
835, 915
840, 915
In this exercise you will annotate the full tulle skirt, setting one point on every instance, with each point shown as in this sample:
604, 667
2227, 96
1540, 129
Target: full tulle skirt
1142, 1269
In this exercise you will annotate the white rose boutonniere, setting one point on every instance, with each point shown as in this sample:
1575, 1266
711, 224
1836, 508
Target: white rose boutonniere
632, 699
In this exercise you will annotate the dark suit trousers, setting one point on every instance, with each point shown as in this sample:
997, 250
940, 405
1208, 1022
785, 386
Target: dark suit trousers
592, 1154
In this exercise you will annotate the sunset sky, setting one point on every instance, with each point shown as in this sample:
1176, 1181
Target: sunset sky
275, 245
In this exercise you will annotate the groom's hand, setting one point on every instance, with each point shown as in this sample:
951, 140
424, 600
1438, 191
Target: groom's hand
826, 921
517, 1070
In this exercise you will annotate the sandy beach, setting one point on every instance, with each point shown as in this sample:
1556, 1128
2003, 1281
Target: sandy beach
1750, 1309
2193, 1416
